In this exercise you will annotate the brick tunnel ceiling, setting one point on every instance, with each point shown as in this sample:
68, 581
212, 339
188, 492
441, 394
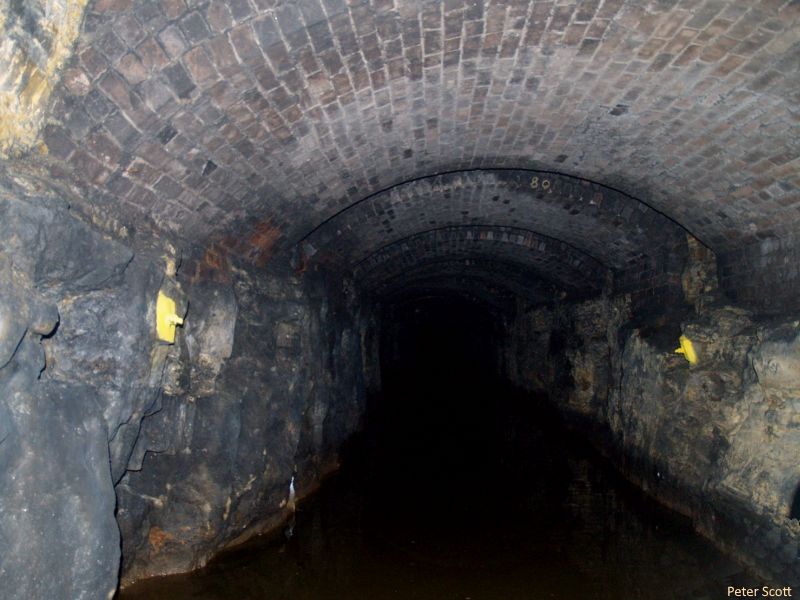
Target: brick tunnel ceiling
418, 142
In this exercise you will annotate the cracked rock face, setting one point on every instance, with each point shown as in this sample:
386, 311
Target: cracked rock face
36, 38
76, 375
717, 440
254, 403
190, 446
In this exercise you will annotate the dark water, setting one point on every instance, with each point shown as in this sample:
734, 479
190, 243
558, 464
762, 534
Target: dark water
505, 506
462, 490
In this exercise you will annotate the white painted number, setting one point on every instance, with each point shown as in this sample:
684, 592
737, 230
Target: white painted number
535, 183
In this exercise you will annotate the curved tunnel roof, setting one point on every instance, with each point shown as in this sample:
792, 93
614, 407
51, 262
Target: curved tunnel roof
355, 126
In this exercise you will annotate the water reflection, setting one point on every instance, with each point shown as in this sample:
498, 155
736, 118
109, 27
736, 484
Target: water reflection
515, 510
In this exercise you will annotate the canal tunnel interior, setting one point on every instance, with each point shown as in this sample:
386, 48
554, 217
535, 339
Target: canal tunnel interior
236, 236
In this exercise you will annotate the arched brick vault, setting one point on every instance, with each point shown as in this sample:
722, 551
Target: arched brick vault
494, 277
209, 115
438, 293
574, 224
508, 273
495, 298
532, 257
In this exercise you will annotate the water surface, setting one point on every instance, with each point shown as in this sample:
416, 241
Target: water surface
480, 505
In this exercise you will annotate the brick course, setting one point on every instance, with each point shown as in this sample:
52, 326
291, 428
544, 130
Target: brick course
529, 257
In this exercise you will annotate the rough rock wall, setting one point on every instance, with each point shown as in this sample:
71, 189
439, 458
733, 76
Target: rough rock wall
79, 367
192, 444
269, 385
36, 39
717, 440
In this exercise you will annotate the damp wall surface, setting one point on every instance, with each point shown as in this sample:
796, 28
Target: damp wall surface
268, 385
78, 370
717, 440
122, 456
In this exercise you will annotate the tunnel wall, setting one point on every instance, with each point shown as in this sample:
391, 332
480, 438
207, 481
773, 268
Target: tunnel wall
270, 383
716, 441
79, 367
190, 445
771, 264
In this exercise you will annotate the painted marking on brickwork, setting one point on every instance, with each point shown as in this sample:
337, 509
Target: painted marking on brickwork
537, 183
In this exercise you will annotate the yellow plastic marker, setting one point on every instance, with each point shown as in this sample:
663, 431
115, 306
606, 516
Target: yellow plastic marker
687, 349
166, 318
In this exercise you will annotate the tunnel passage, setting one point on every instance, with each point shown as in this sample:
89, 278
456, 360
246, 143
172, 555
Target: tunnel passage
568, 233
437, 369
606, 175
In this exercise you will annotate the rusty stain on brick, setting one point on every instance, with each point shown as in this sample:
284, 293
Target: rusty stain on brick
157, 537
262, 241
254, 247
213, 266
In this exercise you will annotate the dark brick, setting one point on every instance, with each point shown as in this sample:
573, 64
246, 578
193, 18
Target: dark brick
561, 17
209, 168
240, 9
173, 41
586, 11
117, 90
218, 16
411, 33
179, 80
173, 8
132, 69
266, 78
148, 11
119, 185
155, 93
343, 31
312, 11
166, 134
141, 197
99, 145
151, 54
89, 167
194, 27
266, 31
661, 61
334, 7
588, 47
97, 106
321, 37
121, 130
289, 20
129, 29
280, 58
167, 187
110, 46
94, 63
363, 19
244, 42
57, 141
199, 65
223, 56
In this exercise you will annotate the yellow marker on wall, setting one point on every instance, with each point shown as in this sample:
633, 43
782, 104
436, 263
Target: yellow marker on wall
166, 318
687, 349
